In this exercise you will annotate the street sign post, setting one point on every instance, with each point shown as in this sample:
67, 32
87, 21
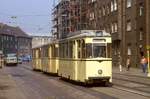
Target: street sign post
148, 58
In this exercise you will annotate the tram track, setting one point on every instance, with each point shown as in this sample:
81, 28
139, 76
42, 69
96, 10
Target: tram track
73, 84
95, 90
135, 91
78, 87
134, 79
135, 84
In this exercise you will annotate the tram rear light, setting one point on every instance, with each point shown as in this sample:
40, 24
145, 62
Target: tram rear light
100, 71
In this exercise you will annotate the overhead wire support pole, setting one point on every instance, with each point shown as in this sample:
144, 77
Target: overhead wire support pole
148, 35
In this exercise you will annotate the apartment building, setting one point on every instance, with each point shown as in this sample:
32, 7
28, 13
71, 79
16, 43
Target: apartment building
128, 21
14, 40
69, 16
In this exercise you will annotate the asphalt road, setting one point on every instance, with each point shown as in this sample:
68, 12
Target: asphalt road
36, 85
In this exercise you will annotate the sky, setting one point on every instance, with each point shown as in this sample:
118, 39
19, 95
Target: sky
32, 16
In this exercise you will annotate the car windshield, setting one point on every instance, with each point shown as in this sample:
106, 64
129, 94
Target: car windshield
11, 55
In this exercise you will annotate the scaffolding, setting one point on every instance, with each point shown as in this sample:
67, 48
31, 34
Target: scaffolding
70, 16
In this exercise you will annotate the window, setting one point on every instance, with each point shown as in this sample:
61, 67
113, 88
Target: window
93, 0
70, 49
108, 11
115, 27
112, 28
104, 12
141, 10
129, 3
92, 16
129, 26
112, 6
99, 50
129, 50
83, 49
79, 48
100, 12
89, 50
115, 5
141, 34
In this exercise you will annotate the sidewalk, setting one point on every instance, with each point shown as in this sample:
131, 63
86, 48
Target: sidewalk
132, 72
8, 87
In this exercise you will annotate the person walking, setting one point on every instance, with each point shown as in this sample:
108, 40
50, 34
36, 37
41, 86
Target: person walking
144, 64
128, 63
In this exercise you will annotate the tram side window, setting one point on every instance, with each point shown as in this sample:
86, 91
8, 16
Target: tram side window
54, 51
83, 49
39, 53
66, 49
61, 50
46, 52
88, 50
109, 50
79, 49
70, 49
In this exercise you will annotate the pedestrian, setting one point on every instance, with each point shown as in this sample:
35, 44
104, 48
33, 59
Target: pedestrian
128, 63
144, 63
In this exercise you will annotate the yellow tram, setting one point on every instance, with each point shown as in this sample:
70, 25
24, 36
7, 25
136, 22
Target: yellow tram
36, 58
86, 57
45, 58
82, 57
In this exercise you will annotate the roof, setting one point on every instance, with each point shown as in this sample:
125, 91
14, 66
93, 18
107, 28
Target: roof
14, 31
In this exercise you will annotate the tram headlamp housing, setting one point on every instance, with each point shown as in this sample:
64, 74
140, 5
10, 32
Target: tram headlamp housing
100, 71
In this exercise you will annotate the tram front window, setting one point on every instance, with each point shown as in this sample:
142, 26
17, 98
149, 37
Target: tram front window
99, 51
95, 50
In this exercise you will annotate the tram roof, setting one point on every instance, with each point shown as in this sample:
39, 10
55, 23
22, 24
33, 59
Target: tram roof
89, 33
52, 42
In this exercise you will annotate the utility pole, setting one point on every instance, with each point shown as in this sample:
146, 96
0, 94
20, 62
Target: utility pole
148, 34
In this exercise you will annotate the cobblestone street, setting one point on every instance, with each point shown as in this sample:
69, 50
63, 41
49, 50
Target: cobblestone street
22, 83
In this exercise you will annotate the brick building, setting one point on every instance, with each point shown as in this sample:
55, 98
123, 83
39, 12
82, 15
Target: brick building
128, 21
14, 40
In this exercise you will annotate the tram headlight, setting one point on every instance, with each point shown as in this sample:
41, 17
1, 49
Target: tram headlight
100, 71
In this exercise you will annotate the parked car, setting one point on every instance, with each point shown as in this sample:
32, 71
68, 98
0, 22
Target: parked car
11, 59
26, 58
19, 60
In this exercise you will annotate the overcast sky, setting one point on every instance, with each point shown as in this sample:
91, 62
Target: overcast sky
33, 16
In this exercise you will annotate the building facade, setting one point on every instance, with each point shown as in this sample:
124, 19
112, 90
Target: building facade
14, 40
68, 17
128, 21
